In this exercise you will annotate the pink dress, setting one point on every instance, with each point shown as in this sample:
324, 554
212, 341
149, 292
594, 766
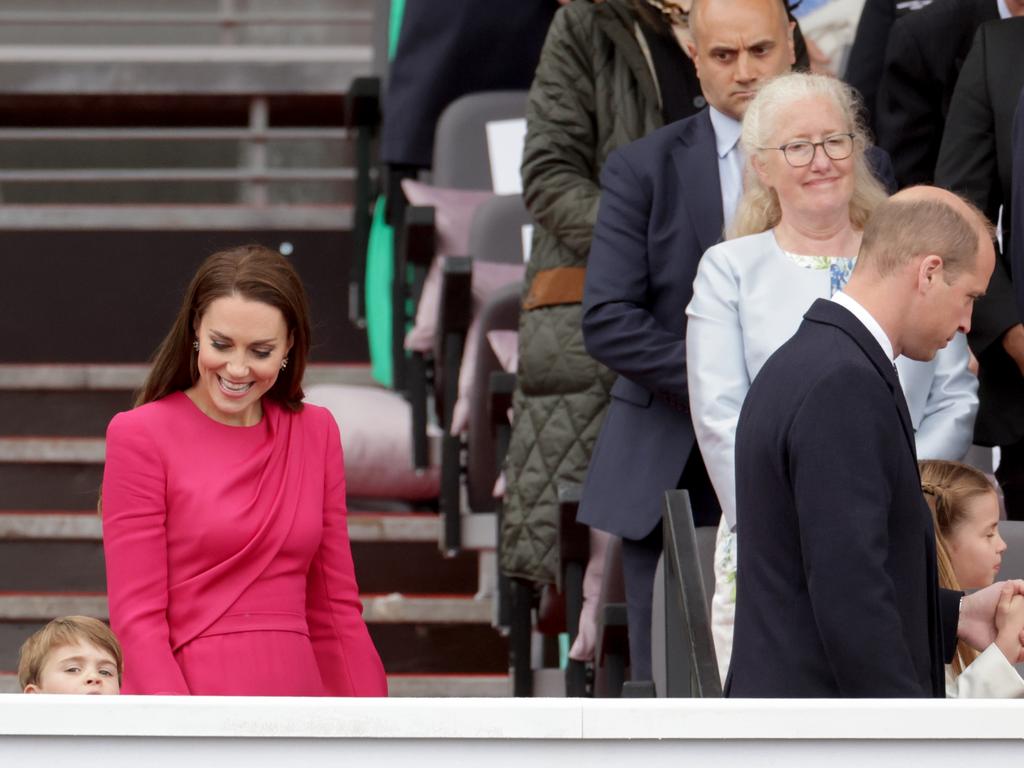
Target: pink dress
229, 570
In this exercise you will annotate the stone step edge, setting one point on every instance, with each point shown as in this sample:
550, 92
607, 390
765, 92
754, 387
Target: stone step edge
87, 526
394, 608
399, 686
130, 376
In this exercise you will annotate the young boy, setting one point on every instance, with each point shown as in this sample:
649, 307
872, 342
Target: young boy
73, 654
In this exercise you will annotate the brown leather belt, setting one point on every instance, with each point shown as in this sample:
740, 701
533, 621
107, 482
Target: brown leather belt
561, 285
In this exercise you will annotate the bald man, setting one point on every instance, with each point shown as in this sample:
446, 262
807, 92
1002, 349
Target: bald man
837, 588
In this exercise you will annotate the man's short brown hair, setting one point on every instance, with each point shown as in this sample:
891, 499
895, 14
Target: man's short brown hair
66, 630
901, 229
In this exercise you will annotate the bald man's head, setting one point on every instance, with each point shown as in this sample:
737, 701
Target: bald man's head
738, 46
924, 220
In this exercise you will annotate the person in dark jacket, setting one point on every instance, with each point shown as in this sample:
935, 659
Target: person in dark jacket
609, 73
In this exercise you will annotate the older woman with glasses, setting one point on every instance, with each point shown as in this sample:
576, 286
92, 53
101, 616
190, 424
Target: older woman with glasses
795, 237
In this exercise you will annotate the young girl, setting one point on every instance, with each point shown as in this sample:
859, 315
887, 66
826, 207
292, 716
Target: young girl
965, 509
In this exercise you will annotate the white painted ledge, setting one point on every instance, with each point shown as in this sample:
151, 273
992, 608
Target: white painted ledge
534, 719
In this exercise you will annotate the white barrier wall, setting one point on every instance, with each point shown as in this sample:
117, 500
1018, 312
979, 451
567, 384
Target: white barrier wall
159, 731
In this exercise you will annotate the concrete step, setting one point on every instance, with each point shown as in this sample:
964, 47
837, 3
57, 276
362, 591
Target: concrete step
97, 377
435, 634
88, 526
382, 567
394, 608
466, 686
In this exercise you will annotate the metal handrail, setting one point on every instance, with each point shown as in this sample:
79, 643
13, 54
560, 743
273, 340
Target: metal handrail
685, 604
118, 175
181, 19
174, 134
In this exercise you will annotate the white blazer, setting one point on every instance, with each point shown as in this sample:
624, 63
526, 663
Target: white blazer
748, 298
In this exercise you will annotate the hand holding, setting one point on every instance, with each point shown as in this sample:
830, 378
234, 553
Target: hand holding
1009, 622
977, 625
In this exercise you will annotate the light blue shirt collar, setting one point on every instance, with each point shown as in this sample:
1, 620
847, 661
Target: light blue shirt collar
855, 307
1004, 9
727, 131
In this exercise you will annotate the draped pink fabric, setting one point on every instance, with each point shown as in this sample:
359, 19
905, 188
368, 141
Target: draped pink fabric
229, 569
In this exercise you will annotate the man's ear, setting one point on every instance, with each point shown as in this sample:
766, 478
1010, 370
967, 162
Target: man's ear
691, 50
789, 41
929, 271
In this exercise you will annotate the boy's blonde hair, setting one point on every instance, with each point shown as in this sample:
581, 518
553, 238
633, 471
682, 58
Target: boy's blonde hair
66, 630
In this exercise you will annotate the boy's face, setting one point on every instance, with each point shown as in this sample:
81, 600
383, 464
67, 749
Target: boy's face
78, 668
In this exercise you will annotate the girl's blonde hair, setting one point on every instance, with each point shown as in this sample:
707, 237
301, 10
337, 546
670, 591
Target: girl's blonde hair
759, 209
947, 487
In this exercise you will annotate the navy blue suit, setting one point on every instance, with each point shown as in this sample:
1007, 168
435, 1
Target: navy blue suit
1017, 214
837, 587
661, 208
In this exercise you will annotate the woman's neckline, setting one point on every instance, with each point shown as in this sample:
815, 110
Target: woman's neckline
241, 427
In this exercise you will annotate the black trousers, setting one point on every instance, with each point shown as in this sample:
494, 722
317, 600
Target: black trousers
640, 561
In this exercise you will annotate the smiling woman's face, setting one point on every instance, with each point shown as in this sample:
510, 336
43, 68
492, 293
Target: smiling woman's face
823, 185
241, 346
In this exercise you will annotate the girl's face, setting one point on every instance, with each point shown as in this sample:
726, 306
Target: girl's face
241, 346
975, 546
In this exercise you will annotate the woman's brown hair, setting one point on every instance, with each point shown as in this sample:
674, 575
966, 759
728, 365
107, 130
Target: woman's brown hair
252, 272
948, 486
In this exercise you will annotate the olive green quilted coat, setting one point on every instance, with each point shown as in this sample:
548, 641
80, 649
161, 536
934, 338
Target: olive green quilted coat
593, 92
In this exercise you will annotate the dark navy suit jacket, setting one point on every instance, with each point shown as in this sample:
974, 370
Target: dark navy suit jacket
661, 208
837, 587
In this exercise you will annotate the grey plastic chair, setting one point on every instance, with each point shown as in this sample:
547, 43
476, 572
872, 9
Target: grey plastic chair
461, 160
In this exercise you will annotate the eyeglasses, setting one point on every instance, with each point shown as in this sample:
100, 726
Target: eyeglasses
838, 146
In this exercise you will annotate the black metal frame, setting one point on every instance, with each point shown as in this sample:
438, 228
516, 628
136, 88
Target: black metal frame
691, 664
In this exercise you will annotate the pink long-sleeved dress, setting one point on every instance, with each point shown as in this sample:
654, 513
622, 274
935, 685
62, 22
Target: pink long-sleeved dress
229, 570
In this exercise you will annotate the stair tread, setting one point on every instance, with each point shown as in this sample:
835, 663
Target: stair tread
399, 685
87, 525
390, 608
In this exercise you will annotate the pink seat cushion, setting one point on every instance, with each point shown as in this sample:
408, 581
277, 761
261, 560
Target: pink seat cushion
376, 437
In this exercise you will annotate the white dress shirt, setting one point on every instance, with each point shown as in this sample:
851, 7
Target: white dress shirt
866, 319
730, 161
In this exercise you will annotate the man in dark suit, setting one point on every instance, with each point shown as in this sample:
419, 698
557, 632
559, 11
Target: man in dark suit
837, 589
925, 53
661, 208
975, 160
1017, 215
867, 54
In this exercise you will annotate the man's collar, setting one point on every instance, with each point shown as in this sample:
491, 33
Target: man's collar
727, 131
857, 310
1004, 9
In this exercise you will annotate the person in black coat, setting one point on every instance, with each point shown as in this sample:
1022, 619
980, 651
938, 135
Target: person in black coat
837, 586
975, 161
447, 49
924, 56
867, 55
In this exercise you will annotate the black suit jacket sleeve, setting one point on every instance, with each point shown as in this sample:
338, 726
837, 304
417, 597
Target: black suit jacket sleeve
1017, 227
864, 67
618, 327
968, 165
908, 109
844, 524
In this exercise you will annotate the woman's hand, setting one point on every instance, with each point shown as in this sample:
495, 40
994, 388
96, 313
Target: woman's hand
1010, 625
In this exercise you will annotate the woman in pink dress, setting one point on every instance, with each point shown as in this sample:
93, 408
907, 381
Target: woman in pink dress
229, 570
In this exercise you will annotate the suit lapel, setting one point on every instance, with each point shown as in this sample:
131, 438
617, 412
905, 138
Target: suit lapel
696, 161
829, 312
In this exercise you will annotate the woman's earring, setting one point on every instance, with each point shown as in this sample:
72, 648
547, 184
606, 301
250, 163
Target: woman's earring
284, 363
195, 345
